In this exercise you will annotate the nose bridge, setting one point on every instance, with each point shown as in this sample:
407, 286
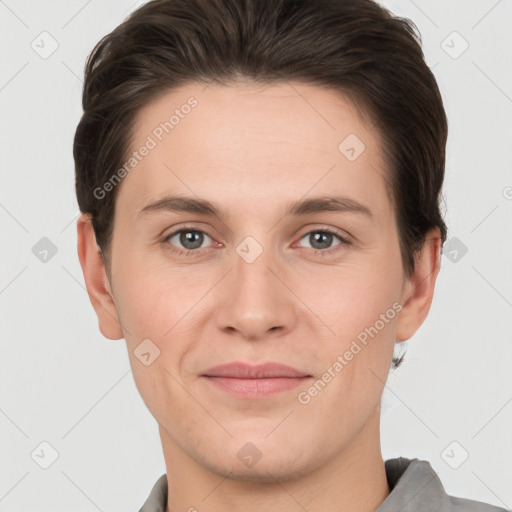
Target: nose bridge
252, 266
256, 300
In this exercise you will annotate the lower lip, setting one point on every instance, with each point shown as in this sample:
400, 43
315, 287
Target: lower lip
256, 388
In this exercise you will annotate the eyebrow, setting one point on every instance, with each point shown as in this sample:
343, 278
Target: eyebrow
301, 207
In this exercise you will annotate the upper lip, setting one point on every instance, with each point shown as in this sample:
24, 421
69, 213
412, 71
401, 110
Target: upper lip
247, 371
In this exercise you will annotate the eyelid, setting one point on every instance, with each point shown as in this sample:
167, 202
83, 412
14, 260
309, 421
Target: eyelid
343, 235
190, 227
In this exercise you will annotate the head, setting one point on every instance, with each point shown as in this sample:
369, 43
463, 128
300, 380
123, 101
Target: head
246, 113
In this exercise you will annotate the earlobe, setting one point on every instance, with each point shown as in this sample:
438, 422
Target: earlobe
418, 290
96, 281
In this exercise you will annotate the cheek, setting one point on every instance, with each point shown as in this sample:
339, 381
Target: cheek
360, 305
161, 307
351, 298
151, 298
356, 360
152, 311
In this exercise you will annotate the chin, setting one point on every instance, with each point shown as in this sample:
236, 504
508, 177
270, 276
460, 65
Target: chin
264, 471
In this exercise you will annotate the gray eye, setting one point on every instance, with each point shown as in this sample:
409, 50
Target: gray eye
189, 239
321, 239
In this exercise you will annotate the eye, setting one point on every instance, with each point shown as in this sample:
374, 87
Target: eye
190, 240
321, 240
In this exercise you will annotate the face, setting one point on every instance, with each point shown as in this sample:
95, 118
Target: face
273, 275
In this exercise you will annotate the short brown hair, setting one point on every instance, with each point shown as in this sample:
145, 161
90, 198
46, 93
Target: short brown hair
356, 47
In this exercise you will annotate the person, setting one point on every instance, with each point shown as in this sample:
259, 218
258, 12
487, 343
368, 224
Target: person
259, 185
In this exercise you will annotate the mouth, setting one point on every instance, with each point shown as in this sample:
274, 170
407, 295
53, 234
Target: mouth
253, 382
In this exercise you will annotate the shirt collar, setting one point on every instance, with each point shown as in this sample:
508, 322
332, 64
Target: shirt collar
415, 487
413, 483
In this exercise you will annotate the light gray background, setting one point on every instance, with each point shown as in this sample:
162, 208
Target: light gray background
63, 383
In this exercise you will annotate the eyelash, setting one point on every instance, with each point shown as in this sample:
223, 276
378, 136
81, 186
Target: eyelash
322, 252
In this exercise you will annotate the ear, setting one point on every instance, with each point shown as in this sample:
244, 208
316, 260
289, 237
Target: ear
96, 281
418, 290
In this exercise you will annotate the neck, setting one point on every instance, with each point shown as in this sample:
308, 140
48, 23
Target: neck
352, 480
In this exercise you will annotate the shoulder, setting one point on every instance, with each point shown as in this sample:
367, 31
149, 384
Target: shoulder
466, 505
416, 487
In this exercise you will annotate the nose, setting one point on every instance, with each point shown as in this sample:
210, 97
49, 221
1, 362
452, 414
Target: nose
255, 301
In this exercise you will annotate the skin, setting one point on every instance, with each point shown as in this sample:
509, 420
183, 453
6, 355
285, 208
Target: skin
252, 150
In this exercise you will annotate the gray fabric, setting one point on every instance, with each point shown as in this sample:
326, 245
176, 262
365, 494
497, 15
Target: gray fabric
157, 499
414, 485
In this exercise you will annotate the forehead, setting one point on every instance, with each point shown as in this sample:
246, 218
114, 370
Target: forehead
254, 142
277, 113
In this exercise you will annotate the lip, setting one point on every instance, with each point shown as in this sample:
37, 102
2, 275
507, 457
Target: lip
261, 371
254, 382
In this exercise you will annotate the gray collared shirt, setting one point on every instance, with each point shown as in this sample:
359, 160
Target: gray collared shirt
414, 486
